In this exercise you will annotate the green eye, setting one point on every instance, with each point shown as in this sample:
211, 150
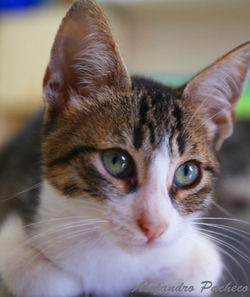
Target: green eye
117, 162
187, 174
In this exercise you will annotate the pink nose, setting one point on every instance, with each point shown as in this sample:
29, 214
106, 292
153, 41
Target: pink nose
150, 230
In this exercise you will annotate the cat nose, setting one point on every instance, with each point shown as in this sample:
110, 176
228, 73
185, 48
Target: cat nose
152, 230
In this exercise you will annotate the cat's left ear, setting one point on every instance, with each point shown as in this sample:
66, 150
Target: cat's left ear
215, 92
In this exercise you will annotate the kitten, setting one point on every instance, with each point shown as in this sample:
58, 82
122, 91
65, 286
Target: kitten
127, 163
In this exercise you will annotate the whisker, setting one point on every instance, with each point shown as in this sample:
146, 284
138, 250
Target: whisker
229, 237
221, 250
222, 209
233, 230
21, 192
57, 233
222, 219
50, 232
233, 259
229, 246
227, 269
54, 220
61, 238
237, 263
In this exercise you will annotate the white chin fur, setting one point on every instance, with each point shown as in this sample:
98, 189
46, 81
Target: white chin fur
96, 264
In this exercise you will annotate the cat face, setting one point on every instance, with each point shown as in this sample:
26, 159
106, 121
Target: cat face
143, 153
145, 127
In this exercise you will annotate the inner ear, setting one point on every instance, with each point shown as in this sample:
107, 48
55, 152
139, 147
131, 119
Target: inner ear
85, 57
215, 92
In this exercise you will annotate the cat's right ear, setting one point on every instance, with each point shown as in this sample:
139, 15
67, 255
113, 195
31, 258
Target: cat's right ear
85, 58
214, 93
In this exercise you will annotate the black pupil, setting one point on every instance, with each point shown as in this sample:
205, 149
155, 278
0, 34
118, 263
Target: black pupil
186, 170
114, 159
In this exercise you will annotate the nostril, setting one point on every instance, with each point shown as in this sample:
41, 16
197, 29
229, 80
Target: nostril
144, 228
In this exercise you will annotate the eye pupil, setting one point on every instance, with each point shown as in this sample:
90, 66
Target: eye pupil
186, 170
115, 159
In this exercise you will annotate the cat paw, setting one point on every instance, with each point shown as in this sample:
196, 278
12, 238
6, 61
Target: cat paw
202, 264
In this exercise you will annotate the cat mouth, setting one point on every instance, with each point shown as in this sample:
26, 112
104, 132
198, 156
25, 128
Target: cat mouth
138, 247
134, 248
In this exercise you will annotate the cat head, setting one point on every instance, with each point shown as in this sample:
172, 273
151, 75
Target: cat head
144, 154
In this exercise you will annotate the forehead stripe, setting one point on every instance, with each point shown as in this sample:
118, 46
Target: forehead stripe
71, 155
138, 135
178, 116
138, 131
144, 108
181, 143
172, 130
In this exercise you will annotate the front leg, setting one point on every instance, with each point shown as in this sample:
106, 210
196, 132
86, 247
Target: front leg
26, 272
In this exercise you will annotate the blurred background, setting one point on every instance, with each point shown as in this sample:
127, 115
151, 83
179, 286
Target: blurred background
169, 40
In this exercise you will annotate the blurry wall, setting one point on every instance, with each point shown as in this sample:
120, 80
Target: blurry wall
155, 37
183, 36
